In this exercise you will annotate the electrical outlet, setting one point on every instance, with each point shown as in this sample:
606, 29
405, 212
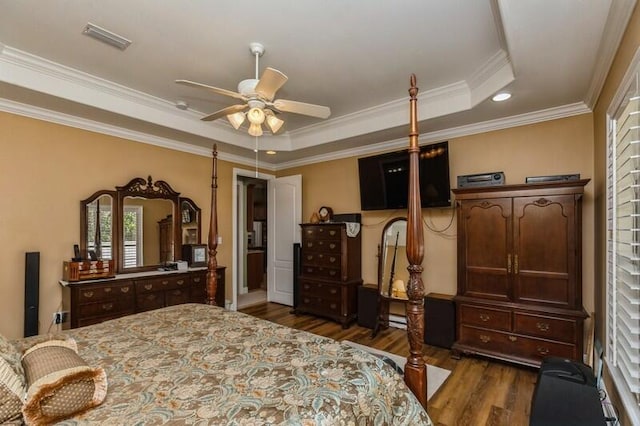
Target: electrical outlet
60, 317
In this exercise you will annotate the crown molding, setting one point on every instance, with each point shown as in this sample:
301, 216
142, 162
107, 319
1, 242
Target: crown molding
614, 29
440, 135
107, 129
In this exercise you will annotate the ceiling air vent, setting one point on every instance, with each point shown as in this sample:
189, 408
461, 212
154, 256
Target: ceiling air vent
106, 36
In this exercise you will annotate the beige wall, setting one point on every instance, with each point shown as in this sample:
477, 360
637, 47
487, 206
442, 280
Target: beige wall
627, 49
553, 147
46, 169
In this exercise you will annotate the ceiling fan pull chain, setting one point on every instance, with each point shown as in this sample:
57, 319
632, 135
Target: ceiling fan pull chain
256, 151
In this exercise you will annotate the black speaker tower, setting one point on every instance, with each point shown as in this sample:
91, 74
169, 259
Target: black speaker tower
31, 292
297, 247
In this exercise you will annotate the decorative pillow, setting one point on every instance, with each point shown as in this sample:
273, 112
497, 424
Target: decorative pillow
12, 391
59, 382
10, 353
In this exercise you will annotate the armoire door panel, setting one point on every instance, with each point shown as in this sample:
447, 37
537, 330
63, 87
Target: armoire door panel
544, 249
487, 283
543, 289
485, 254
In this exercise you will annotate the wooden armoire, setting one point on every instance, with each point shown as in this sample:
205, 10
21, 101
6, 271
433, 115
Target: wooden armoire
519, 292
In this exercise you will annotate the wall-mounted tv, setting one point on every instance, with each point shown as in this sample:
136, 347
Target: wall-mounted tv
384, 179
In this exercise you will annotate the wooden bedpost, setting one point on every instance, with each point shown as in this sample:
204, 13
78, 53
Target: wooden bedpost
212, 276
415, 372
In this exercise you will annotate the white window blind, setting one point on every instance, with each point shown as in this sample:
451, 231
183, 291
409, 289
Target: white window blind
623, 238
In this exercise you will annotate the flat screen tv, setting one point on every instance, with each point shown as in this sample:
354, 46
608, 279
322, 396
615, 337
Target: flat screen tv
384, 179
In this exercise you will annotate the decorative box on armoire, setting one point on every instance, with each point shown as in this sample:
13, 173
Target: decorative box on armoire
519, 292
330, 272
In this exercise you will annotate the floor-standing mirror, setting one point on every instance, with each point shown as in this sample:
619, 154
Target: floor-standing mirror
392, 270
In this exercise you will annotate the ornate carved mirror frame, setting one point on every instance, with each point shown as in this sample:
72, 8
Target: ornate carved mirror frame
183, 221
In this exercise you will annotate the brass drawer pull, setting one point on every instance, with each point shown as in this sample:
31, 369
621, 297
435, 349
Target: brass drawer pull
484, 317
332, 259
509, 263
165, 282
107, 290
124, 289
542, 326
513, 338
333, 291
484, 338
309, 244
107, 306
148, 286
307, 286
309, 257
333, 306
177, 292
332, 232
180, 282
88, 294
332, 246
542, 350
196, 279
332, 273
515, 264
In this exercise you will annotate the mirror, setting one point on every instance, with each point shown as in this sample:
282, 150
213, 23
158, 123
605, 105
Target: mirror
147, 229
190, 220
97, 235
393, 276
143, 225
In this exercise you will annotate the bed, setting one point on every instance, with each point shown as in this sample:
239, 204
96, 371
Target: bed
200, 364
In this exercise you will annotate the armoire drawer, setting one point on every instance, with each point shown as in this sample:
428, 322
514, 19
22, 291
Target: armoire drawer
321, 272
322, 232
496, 319
513, 344
552, 328
329, 292
320, 305
323, 246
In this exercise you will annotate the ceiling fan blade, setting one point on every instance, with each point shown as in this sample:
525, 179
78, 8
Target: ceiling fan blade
217, 90
224, 112
302, 108
270, 81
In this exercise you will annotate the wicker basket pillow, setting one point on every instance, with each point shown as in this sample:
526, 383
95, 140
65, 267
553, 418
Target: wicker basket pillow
59, 382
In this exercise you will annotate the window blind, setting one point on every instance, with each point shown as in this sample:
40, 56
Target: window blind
623, 238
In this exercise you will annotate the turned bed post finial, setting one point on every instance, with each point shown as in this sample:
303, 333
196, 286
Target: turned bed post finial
415, 373
212, 276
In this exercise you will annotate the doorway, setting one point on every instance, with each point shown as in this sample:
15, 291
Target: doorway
251, 286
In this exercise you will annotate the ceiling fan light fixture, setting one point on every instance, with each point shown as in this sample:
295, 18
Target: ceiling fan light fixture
256, 116
274, 123
255, 129
236, 119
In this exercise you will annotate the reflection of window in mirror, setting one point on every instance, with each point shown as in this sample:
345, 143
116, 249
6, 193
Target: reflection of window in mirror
99, 227
132, 229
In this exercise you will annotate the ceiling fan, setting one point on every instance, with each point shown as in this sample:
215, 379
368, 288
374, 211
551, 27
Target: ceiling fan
257, 95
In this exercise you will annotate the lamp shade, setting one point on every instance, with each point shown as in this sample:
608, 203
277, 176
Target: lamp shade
256, 116
236, 119
255, 129
274, 123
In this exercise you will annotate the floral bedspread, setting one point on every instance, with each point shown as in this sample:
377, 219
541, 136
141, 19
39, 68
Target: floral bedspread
199, 364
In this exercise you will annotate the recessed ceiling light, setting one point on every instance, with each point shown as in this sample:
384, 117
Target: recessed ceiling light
182, 105
106, 36
270, 152
502, 96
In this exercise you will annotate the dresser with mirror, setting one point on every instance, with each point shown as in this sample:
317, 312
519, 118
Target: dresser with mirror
141, 227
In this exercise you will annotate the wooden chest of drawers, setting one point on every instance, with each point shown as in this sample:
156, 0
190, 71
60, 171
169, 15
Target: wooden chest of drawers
330, 272
97, 301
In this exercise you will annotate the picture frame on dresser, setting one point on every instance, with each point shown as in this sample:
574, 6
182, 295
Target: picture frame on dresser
195, 254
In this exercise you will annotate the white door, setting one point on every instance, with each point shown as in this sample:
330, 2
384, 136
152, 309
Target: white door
284, 217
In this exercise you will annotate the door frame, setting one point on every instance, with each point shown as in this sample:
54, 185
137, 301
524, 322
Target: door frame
234, 225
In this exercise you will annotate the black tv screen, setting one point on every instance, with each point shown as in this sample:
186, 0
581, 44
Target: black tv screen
384, 179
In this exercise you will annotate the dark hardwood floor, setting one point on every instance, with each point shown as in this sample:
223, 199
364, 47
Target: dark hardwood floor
478, 391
